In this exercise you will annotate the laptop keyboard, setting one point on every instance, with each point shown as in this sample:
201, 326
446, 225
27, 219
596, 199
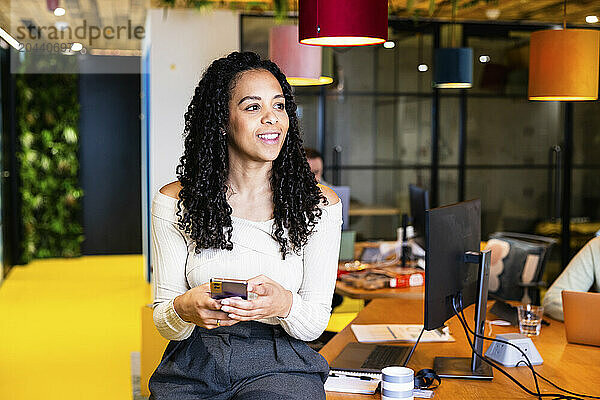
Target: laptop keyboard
383, 356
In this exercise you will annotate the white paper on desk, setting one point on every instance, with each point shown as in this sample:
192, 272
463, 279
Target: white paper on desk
398, 333
351, 384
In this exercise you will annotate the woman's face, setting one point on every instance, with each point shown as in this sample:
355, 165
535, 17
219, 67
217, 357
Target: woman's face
258, 122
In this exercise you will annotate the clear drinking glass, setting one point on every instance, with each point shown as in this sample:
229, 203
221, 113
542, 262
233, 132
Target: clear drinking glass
530, 319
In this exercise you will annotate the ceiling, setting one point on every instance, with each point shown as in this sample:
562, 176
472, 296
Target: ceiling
503, 10
17, 15
476, 10
115, 13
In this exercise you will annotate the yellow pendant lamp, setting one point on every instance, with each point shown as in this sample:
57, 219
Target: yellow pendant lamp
563, 64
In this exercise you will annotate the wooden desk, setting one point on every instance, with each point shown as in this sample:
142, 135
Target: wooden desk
573, 367
417, 292
411, 293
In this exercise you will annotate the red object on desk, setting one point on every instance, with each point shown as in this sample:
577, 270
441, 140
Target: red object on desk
409, 278
389, 277
341, 272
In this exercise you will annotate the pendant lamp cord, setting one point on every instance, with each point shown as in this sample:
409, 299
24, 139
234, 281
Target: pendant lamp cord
565, 15
454, 5
420, 49
318, 26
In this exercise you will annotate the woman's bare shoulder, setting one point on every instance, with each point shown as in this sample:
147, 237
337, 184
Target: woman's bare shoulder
331, 196
172, 189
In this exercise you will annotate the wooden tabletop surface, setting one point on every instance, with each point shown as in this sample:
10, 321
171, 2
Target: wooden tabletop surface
410, 293
571, 366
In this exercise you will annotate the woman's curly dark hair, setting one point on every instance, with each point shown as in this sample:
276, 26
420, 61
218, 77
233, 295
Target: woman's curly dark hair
204, 167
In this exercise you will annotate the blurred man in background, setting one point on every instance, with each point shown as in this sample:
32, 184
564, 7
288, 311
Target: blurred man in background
315, 160
581, 275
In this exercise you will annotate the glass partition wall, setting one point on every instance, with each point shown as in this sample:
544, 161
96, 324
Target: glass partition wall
372, 125
517, 149
381, 126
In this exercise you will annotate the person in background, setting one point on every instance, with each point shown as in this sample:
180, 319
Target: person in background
315, 160
581, 275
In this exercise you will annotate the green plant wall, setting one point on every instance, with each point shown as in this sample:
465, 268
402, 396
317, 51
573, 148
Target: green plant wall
47, 128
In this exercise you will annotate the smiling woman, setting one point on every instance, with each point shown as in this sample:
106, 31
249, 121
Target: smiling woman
246, 207
258, 121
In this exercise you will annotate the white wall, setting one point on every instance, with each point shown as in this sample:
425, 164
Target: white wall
180, 44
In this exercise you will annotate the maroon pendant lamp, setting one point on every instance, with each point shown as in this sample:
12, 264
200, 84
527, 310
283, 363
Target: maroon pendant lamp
51, 4
342, 22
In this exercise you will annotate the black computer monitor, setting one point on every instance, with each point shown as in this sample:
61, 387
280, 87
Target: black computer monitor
456, 269
419, 202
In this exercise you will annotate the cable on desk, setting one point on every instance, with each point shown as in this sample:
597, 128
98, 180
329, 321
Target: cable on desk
559, 388
490, 362
463, 322
530, 365
555, 396
414, 347
425, 378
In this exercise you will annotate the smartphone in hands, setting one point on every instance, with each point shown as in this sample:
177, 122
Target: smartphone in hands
222, 288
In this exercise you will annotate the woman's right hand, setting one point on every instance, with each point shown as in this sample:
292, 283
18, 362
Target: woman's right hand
198, 307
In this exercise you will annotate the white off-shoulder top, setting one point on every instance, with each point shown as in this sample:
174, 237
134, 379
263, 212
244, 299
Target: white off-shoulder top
310, 276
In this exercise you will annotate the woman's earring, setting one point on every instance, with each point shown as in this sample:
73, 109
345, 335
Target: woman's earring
222, 131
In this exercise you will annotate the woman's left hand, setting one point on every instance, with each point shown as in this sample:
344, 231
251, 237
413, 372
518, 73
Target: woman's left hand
273, 301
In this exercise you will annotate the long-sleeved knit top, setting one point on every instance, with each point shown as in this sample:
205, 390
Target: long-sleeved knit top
310, 276
582, 273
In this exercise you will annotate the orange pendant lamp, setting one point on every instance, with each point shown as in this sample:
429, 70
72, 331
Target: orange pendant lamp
343, 22
301, 64
563, 64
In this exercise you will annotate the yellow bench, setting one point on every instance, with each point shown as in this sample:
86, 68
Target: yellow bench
153, 347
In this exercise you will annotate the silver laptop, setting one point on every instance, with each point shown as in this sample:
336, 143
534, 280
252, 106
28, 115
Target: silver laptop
370, 358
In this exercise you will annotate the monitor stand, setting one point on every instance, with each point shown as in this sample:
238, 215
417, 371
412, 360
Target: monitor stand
460, 367
473, 367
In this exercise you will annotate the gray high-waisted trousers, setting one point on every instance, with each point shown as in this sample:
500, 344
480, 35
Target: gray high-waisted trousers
246, 361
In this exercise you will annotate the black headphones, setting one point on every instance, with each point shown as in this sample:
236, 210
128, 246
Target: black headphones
426, 379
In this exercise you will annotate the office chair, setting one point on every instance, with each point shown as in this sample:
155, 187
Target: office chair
518, 262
